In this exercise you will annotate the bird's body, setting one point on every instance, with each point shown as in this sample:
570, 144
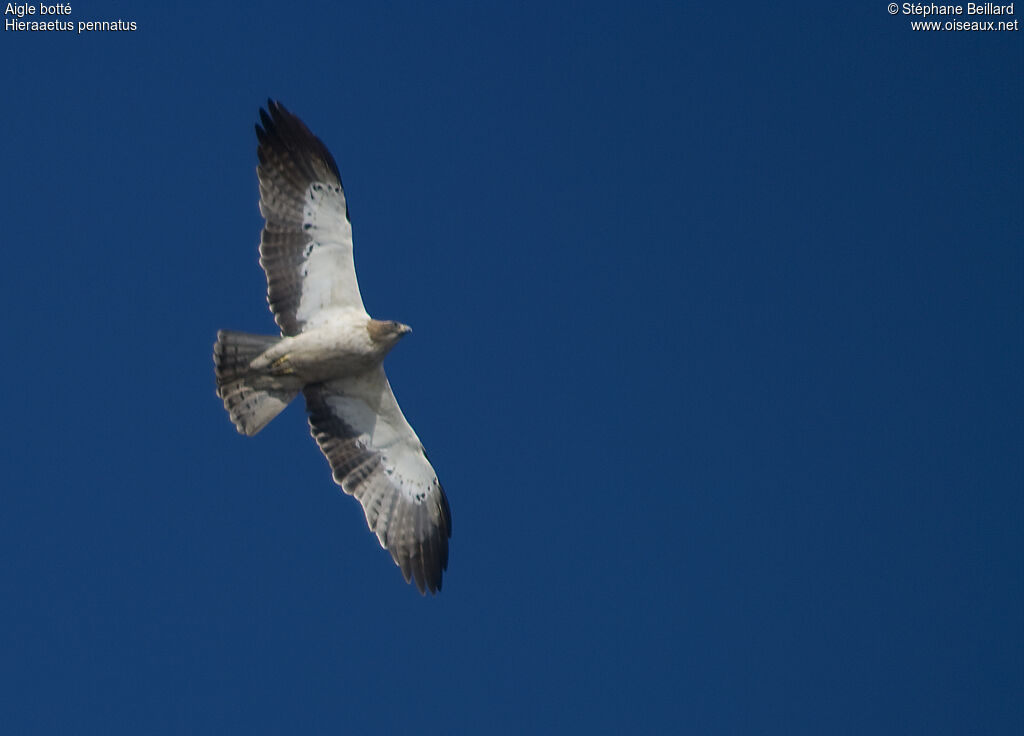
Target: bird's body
331, 351
345, 346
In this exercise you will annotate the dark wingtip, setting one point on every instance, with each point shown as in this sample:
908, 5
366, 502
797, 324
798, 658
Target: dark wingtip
284, 131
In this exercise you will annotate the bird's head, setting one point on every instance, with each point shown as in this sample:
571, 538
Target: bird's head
387, 332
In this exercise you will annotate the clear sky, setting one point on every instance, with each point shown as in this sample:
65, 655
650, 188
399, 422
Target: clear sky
717, 350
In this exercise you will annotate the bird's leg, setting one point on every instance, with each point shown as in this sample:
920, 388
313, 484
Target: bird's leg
281, 366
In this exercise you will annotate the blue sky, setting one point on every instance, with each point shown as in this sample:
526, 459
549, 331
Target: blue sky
718, 353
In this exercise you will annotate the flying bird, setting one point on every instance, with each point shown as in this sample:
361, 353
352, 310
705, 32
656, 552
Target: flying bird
331, 351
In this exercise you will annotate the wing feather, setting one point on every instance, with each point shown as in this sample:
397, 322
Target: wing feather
376, 457
306, 244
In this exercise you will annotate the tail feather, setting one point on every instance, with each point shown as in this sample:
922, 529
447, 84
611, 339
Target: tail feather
252, 398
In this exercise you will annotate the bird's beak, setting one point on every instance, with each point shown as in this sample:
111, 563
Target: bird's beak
406, 329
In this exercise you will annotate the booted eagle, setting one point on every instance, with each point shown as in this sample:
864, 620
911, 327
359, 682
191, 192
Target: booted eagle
331, 351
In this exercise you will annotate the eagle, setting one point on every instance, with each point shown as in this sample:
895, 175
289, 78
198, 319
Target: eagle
331, 351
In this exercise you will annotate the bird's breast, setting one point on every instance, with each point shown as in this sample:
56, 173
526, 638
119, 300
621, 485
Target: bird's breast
333, 351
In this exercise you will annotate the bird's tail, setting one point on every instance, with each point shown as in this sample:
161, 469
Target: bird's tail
252, 397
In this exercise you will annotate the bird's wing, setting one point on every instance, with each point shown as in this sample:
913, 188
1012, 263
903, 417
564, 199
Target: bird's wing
377, 457
306, 246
